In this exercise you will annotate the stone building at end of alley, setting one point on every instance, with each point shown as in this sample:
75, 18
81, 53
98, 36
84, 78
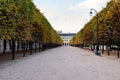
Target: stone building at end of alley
66, 37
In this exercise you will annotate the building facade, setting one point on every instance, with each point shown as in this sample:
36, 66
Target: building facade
66, 37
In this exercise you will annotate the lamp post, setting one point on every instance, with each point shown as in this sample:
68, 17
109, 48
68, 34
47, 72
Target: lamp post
97, 45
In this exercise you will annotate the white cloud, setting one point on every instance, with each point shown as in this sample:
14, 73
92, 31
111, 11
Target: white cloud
87, 4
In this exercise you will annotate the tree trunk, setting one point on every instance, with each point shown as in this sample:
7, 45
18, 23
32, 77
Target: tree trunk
118, 51
108, 50
35, 46
13, 49
30, 47
93, 47
23, 49
4, 46
39, 46
43, 46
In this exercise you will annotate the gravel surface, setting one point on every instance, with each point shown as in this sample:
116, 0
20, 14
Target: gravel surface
63, 63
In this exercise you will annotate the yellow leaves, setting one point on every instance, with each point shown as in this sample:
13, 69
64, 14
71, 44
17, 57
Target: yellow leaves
8, 34
25, 35
109, 25
77, 39
117, 1
20, 19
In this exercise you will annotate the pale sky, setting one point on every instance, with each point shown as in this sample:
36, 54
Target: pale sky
68, 15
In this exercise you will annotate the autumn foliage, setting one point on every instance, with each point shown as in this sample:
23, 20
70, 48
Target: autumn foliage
21, 20
108, 28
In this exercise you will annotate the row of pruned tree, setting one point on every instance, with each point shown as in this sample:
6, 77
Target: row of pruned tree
23, 24
108, 29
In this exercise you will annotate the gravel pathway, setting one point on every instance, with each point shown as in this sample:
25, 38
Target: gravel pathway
63, 63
